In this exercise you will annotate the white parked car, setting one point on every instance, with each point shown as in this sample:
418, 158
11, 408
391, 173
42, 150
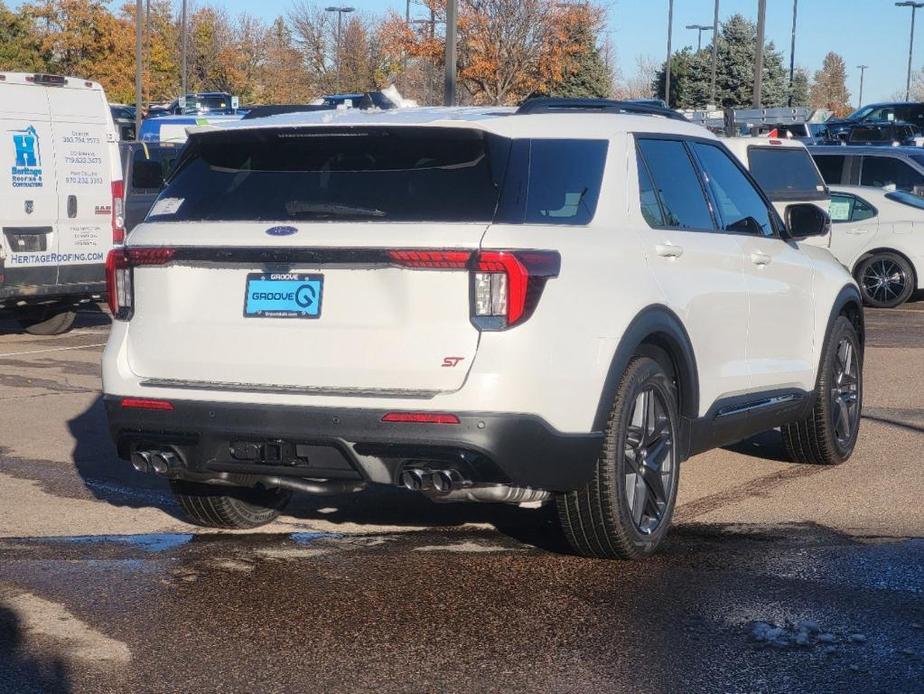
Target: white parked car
879, 236
783, 168
479, 304
60, 197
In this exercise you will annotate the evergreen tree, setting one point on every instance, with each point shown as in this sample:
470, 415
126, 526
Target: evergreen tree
830, 88
734, 74
801, 87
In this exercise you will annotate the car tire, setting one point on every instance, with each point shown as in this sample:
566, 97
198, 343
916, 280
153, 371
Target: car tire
625, 510
48, 320
214, 506
829, 434
886, 280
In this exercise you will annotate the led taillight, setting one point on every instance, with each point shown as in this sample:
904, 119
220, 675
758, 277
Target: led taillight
500, 286
431, 260
118, 212
120, 277
119, 284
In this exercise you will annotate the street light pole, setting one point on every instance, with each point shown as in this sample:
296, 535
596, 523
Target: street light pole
452, 30
667, 69
759, 60
183, 69
862, 69
700, 28
915, 6
792, 49
715, 48
138, 67
340, 12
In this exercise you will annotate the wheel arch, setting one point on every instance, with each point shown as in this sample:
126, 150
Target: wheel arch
657, 332
849, 304
886, 249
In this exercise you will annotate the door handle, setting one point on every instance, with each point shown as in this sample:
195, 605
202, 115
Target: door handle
669, 250
856, 231
760, 259
71, 206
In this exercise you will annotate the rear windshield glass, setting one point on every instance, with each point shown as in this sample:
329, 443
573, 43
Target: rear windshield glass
786, 173
403, 174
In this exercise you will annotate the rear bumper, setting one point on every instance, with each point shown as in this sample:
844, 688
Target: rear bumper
39, 283
337, 443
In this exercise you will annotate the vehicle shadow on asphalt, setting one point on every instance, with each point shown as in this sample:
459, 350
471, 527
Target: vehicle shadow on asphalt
767, 446
88, 316
21, 672
116, 482
107, 477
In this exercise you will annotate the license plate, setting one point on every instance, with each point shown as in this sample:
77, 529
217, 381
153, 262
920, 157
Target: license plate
281, 295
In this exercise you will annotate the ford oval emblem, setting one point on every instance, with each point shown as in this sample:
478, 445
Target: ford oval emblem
281, 231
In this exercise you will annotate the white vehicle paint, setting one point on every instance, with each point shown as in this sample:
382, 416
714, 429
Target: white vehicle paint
498, 324
60, 187
784, 169
869, 228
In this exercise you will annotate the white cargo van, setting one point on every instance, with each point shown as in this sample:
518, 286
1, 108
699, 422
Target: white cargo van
60, 197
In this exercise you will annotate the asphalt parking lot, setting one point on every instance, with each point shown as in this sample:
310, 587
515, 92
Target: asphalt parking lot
776, 577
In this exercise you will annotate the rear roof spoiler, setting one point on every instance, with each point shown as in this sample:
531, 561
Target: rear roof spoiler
555, 105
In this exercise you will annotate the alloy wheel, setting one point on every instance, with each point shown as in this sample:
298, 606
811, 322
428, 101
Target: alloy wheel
650, 460
845, 392
883, 280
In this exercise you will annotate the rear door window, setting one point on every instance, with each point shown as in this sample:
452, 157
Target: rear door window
786, 173
676, 184
879, 172
849, 208
831, 167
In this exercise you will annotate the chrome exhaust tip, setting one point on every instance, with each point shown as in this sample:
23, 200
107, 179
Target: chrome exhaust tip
445, 481
415, 479
163, 461
141, 461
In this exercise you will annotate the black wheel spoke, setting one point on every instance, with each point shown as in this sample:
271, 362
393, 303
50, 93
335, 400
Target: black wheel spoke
647, 452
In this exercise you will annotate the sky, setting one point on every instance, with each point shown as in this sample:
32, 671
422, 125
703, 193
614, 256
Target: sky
870, 32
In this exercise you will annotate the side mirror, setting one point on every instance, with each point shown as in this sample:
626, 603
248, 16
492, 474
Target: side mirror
806, 219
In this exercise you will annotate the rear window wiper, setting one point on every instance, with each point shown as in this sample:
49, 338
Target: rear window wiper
332, 210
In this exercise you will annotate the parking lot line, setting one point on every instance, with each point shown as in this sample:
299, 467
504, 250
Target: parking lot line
51, 349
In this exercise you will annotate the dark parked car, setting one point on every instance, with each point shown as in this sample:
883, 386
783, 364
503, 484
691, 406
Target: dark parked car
124, 119
911, 113
874, 167
882, 134
144, 167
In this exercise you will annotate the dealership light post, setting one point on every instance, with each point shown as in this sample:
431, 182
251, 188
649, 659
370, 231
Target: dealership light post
452, 33
862, 69
667, 68
183, 68
715, 48
700, 28
915, 6
792, 49
340, 12
138, 67
759, 61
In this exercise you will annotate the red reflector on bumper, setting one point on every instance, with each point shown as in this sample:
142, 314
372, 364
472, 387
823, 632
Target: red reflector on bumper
420, 418
145, 404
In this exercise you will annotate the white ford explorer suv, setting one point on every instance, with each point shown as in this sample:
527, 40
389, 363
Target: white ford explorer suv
559, 302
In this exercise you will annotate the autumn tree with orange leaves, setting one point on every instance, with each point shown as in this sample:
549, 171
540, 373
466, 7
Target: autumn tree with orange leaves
509, 49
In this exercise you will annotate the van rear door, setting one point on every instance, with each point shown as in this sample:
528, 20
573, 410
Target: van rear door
84, 142
29, 209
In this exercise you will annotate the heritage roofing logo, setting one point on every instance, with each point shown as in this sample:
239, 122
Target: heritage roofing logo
27, 170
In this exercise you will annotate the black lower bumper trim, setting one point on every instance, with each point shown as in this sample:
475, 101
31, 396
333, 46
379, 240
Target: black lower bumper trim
522, 450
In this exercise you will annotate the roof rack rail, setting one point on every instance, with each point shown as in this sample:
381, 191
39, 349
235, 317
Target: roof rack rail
544, 104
